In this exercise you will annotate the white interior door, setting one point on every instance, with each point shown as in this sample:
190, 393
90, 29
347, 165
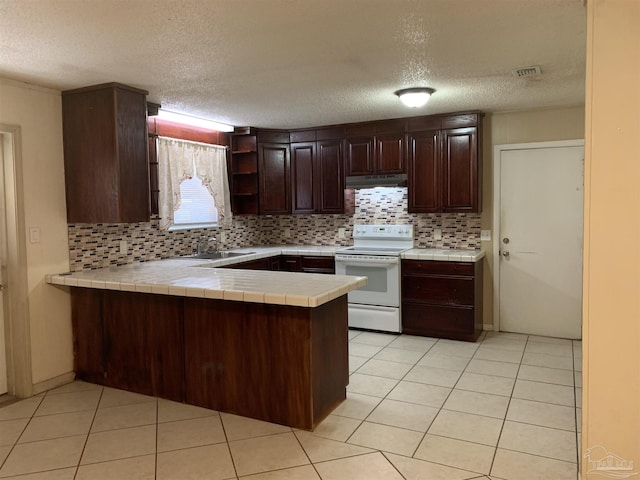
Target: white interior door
3, 263
538, 248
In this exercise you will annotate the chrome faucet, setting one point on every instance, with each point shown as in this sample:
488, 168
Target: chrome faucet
207, 245
201, 246
212, 243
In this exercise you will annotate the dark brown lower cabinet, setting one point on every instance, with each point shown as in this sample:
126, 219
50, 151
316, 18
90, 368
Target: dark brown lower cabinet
259, 264
442, 299
276, 363
307, 264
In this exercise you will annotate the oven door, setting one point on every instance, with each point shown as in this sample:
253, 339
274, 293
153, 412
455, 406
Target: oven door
383, 274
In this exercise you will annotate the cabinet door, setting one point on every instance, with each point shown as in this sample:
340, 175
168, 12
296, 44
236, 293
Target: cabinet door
359, 155
302, 177
329, 176
390, 153
461, 191
133, 164
143, 335
273, 172
424, 167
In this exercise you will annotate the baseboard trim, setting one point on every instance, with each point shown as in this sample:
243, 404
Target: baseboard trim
53, 382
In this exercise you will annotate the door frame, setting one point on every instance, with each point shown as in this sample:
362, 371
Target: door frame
497, 156
16, 307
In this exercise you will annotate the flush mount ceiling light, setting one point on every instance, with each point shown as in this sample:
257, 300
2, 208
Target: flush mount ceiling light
414, 97
194, 121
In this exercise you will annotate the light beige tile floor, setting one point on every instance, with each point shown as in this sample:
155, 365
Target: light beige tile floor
417, 409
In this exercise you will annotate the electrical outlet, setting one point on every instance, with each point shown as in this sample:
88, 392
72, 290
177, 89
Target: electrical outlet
223, 237
485, 235
123, 247
341, 232
437, 234
287, 232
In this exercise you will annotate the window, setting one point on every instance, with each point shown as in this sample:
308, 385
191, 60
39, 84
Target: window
197, 206
194, 191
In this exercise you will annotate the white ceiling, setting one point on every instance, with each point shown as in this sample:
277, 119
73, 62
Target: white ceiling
298, 63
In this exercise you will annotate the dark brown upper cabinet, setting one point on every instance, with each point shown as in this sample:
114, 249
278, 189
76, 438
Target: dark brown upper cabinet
273, 175
359, 155
375, 148
460, 173
317, 178
424, 167
303, 182
443, 156
105, 154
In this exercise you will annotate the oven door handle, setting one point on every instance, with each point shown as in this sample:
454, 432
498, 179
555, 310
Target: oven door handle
386, 263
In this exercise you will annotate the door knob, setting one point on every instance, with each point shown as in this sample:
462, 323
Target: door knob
505, 253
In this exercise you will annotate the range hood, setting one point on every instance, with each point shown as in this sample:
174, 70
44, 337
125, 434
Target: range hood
371, 181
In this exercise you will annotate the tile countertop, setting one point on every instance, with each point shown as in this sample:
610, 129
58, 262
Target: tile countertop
192, 277
445, 255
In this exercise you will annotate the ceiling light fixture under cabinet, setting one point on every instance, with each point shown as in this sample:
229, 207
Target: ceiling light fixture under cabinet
194, 121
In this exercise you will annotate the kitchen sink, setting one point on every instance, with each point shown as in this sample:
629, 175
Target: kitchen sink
219, 255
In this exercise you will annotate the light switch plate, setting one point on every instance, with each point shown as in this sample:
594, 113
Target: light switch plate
341, 232
123, 247
437, 234
485, 235
34, 235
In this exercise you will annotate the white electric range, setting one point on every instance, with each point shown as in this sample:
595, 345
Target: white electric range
375, 254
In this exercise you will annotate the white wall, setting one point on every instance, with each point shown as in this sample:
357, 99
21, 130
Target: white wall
544, 125
38, 113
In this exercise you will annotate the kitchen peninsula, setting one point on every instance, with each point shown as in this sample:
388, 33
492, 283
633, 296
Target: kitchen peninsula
266, 345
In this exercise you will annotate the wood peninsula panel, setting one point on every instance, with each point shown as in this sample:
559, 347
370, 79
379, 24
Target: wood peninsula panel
277, 363
143, 336
89, 354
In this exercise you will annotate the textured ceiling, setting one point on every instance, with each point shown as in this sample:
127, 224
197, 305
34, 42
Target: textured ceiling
297, 63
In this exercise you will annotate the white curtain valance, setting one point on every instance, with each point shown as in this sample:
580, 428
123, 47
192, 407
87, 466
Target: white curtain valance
179, 160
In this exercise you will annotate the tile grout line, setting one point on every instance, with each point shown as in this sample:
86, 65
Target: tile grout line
22, 433
443, 402
387, 394
226, 439
506, 413
95, 414
306, 454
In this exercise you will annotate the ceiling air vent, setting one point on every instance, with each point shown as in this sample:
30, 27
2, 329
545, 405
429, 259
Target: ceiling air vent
527, 72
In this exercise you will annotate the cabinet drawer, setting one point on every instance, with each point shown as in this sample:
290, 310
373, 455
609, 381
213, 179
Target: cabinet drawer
318, 264
438, 289
290, 263
438, 321
438, 268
